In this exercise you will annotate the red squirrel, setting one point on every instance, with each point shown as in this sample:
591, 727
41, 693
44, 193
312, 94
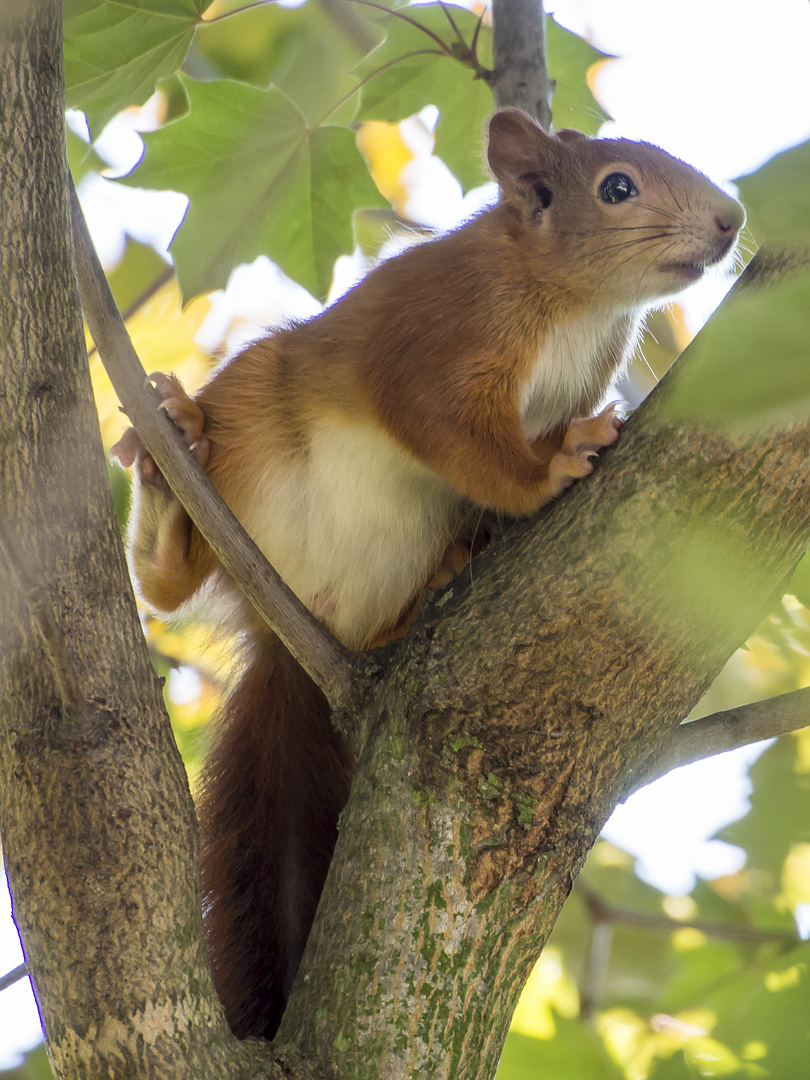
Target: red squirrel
459, 375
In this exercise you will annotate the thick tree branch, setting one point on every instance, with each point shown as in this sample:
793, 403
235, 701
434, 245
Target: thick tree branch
520, 71
322, 656
98, 827
730, 729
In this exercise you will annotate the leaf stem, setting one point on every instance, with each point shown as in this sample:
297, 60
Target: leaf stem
366, 3
446, 50
373, 75
236, 11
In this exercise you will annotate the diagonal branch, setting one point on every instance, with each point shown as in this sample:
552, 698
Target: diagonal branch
321, 655
730, 729
13, 976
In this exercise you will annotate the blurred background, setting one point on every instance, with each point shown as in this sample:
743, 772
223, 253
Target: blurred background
680, 953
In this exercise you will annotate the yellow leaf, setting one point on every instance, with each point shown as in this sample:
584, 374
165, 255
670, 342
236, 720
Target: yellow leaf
387, 153
549, 986
163, 335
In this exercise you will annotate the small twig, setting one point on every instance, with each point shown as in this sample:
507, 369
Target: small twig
520, 70
604, 917
320, 654
41, 611
730, 729
597, 969
602, 912
13, 976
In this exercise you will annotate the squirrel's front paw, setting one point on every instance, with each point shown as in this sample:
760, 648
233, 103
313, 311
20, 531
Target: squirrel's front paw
186, 416
564, 469
593, 432
577, 455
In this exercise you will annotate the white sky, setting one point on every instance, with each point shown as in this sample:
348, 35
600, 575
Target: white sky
723, 84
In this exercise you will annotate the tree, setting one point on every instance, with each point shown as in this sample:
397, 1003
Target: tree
493, 748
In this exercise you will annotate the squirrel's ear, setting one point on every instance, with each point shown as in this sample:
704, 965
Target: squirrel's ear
521, 155
571, 135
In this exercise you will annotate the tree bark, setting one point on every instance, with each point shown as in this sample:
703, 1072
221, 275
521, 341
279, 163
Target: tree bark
98, 826
520, 72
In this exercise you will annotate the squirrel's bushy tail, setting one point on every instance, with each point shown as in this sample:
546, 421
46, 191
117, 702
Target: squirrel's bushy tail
276, 779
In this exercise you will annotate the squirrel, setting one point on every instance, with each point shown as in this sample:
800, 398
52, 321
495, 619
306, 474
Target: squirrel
458, 375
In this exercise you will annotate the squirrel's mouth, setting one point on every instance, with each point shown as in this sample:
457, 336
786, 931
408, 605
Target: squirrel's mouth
687, 271
694, 271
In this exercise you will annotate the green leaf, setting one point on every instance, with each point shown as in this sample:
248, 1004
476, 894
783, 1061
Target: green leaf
762, 1016
777, 199
117, 50
284, 46
800, 582
82, 158
259, 182
673, 1068
569, 58
780, 809
35, 1067
135, 272
574, 1052
752, 365
412, 69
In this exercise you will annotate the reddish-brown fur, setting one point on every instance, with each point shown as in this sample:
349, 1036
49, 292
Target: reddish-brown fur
294, 775
355, 447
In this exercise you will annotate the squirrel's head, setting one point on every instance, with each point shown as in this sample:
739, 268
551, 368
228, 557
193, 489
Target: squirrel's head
623, 217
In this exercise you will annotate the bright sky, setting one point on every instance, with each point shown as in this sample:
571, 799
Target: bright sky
723, 84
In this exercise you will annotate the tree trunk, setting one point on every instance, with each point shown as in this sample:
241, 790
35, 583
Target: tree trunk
98, 826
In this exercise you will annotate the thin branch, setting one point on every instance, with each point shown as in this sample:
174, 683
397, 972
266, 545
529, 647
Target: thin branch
597, 970
163, 278
446, 50
601, 912
730, 729
41, 611
452, 21
520, 69
13, 976
321, 655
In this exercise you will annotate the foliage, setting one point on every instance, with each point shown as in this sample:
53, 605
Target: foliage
278, 125
266, 153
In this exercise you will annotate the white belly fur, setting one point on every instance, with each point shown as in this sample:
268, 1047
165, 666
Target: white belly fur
354, 527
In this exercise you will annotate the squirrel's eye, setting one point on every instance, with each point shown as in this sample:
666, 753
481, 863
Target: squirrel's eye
616, 188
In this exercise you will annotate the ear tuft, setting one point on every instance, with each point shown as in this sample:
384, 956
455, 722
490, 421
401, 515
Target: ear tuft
571, 135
